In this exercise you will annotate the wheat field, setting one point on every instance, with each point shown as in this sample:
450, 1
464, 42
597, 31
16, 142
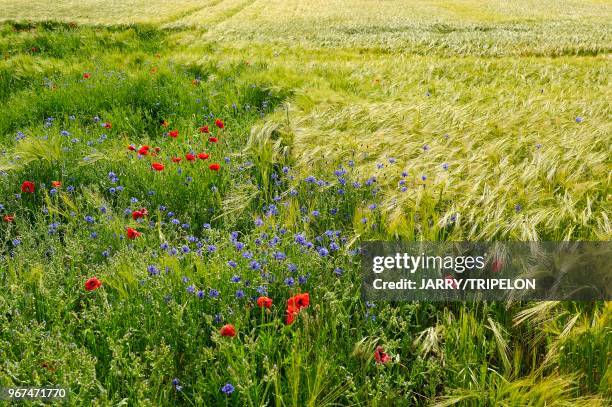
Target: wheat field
176, 176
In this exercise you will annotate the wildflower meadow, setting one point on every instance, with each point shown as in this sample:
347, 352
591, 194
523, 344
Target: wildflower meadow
185, 185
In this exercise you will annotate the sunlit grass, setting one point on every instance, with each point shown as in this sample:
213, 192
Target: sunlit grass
501, 106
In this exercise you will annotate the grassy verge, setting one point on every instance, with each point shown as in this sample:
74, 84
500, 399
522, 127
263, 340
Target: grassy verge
283, 215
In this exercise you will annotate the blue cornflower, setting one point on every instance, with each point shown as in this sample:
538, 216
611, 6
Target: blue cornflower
231, 263
445, 166
212, 293
89, 219
239, 294
211, 248
255, 265
258, 222
191, 289
154, 271
227, 388
235, 279
289, 281
323, 251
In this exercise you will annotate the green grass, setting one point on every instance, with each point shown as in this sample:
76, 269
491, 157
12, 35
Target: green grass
306, 86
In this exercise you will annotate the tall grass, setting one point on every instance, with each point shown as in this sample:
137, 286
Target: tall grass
379, 83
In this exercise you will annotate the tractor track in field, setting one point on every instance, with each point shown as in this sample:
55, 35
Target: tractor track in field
179, 16
235, 10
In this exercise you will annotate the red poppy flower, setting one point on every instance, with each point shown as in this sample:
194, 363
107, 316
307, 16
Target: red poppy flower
190, 157
204, 129
219, 123
107, 125
213, 139
131, 147
86, 75
92, 284
291, 314
157, 166
56, 184
450, 279
8, 218
140, 213
228, 330
132, 233
380, 356
176, 159
203, 156
214, 167
28, 187
144, 150
157, 149
173, 133
264, 302
299, 301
